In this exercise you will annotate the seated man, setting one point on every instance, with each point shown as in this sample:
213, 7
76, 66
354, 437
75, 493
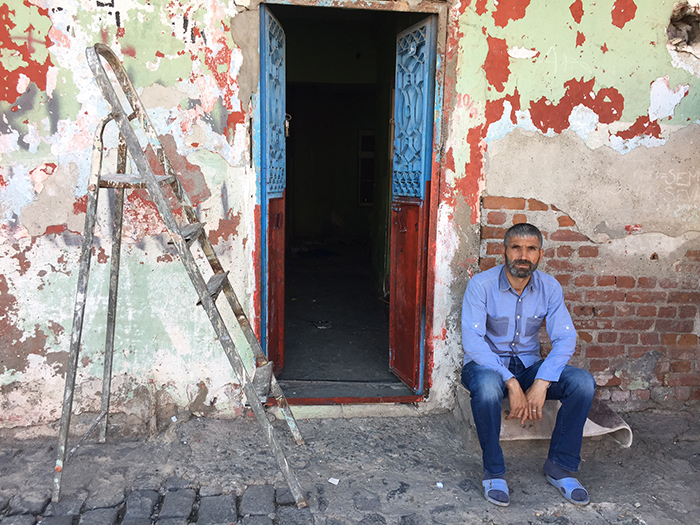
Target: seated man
502, 312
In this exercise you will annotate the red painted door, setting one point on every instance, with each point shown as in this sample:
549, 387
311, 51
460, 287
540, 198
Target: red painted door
412, 164
275, 265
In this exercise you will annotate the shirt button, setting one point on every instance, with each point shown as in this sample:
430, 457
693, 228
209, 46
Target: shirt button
517, 316
517, 333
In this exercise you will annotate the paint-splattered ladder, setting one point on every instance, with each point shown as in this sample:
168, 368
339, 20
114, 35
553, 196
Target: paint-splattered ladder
183, 237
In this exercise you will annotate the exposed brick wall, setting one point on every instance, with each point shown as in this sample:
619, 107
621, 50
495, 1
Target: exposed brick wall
637, 333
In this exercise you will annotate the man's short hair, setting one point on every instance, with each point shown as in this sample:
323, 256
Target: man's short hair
524, 229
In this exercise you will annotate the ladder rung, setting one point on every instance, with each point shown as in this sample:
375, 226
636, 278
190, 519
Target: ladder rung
191, 232
215, 285
129, 180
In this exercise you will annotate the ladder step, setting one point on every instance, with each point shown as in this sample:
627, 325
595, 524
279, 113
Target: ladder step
215, 285
191, 232
129, 180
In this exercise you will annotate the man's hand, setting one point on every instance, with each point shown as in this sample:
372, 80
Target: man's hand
536, 395
519, 405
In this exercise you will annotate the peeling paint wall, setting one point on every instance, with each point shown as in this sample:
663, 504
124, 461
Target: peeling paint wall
185, 63
583, 108
579, 106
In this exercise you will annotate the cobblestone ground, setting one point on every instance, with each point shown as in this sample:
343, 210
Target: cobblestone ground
398, 471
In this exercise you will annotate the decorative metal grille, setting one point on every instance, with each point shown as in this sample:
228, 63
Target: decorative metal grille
275, 100
412, 111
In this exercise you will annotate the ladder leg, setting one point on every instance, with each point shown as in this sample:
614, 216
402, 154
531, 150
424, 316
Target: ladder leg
111, 311
79, 310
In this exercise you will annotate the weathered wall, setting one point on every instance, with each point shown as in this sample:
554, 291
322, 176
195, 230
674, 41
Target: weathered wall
185, 64
576, 108
577, 117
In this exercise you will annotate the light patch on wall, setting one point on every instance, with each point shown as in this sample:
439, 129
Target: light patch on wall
664, 99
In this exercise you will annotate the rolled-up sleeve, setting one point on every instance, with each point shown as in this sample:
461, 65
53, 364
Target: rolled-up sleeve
474, 331
562, 335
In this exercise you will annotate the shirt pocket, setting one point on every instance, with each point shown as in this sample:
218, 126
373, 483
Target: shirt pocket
497, 326
532, 325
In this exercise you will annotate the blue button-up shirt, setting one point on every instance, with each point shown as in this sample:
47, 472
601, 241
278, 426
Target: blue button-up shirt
497, 323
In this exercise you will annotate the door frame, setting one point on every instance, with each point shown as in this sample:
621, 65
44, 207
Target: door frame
440, 121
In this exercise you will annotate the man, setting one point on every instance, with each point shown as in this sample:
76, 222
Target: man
502, 312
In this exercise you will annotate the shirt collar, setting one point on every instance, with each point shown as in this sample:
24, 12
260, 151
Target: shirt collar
504, 284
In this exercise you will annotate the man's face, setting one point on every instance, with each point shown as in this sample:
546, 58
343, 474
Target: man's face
523, 254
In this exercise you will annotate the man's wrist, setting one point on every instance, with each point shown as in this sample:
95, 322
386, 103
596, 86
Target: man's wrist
546, 383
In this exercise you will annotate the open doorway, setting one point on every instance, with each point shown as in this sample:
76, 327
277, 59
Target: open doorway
334, 218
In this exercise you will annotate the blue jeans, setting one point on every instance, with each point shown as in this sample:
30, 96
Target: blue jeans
575, 390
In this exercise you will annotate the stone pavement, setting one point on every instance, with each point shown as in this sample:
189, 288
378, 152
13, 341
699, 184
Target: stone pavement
368, 471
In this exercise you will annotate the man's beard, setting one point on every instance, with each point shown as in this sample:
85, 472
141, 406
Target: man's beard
521, 272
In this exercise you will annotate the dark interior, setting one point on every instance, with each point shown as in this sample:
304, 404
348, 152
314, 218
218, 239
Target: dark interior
340, 76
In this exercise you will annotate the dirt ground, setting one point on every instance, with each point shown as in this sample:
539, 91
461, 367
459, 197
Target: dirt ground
405, 471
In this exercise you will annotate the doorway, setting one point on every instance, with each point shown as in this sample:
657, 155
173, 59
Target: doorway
333, 220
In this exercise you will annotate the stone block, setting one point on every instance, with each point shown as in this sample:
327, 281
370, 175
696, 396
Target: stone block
100, 517
19, 519
217, 510
68, 506
140, 504
258, 500
295, 516
57, 520
28, 504
256, 520
283, 496
177, 504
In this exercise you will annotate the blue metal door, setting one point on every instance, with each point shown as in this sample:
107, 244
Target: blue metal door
412, 164
273, 170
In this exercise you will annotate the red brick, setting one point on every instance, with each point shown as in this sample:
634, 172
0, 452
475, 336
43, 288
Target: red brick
606, 280
492, 232
680, 366
688, 340
583, 311
604, 310
669, 325
651, 338
585, 336
629, 338
494, 248
564, 279
635, 352
496, 217
560, 266
646, 282
687, 310
564, 251
607, 337
568, 236
487, 263
624, 282
693, 255
625, 310
519, 218
536, 205
683, 380
682, 393
640, 395
684, 297
588, 251
566, 221
593, 324
667, 311
645, 297
549, 253
633, 324
598, 296
668, 283
572, 297
605, 351
585, 280
683, 353
669, 339
504, 203
646, 310
599, 365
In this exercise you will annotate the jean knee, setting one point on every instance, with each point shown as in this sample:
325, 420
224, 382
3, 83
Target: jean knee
487, 388
583, 383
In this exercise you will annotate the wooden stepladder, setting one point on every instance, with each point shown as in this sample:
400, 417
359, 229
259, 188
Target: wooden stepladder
185, 233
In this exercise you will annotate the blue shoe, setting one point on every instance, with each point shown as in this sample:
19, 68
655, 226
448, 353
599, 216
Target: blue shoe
496, 491
567, 486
